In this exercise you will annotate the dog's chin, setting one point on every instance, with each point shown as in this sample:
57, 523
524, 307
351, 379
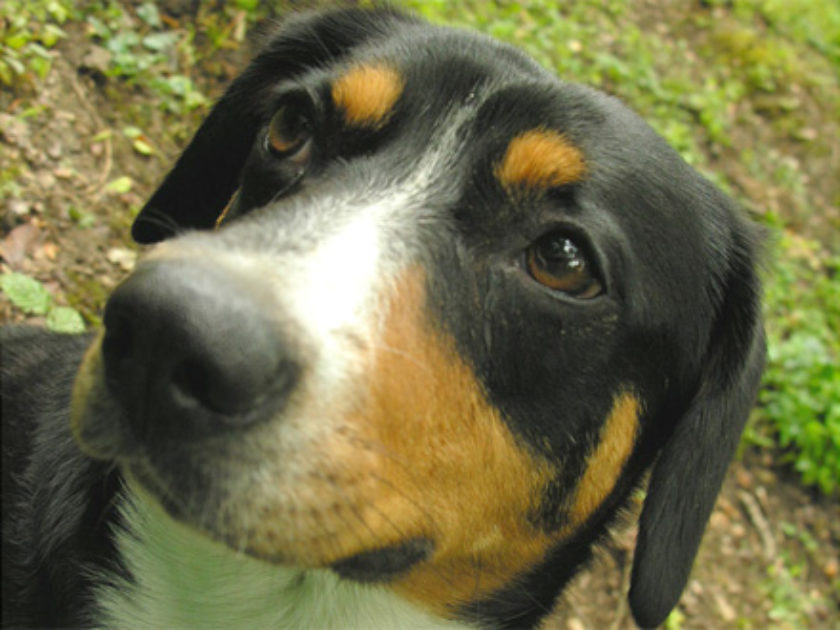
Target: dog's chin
377, 565
143, 483
201, 519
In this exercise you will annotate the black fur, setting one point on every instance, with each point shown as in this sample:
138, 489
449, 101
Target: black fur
57, 508
679, 325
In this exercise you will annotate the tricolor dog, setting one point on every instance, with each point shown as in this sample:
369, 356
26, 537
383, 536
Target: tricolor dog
419, 317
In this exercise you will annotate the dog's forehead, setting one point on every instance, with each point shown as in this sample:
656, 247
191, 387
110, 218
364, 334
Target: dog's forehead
448, 56
449, 129
440, 70
459, 104
426, 85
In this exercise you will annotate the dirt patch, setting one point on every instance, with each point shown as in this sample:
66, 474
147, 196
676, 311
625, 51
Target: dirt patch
767, 561
74, 179
783, 153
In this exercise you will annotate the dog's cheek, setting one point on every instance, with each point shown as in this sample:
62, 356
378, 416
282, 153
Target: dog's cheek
461, 472
459, 476
95, 420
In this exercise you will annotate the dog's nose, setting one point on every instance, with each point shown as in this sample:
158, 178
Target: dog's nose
189, 351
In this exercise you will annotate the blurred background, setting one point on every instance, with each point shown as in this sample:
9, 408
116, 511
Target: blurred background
98, 97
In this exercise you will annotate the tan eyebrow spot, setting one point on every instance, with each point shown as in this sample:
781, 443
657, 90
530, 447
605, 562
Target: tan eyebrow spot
367, 94
540, 158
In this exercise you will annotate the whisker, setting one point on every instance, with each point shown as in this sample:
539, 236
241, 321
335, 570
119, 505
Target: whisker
157, 218
406, 355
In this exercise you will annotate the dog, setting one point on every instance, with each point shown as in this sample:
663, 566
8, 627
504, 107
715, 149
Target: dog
418, 319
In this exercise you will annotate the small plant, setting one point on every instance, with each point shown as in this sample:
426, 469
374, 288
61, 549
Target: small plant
33, 298
28, 30
790, 605
675, 620
801, 397
144, 52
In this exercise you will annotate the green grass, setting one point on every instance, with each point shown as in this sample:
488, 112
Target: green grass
28, 30
800, 400
815, 23
143, 51
580, 42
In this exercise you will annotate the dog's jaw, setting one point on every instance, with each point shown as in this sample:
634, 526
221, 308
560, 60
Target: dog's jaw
181, 579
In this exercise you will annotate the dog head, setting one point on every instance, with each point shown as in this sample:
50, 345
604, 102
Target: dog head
424, 314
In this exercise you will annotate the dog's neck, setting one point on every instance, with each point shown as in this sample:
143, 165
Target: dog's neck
183, 580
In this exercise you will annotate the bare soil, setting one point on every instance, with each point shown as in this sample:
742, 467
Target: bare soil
770, 555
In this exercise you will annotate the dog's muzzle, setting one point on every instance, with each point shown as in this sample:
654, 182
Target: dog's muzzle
189, 350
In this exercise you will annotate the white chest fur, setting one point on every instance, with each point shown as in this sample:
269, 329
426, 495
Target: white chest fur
183, 580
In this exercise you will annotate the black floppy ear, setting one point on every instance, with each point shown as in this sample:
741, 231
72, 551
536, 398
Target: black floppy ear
197, 189
688, 475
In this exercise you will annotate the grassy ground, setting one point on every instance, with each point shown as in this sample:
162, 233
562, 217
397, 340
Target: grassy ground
98, 97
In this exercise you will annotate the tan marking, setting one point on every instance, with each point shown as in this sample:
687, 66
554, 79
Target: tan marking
540, 158
422, 455
607, 460
458, 475
367, 94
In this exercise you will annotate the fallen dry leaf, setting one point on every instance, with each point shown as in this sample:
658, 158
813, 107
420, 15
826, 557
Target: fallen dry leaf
18, 244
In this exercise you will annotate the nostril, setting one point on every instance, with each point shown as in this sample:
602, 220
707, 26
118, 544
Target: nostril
190, 385
118, 343
227, 389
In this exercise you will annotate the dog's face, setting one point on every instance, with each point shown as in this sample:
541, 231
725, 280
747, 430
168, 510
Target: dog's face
451, 311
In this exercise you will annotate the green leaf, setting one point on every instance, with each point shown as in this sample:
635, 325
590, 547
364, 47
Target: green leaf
59, 12
51, 35
103, 135
123, 43
120, 185
17, 41
148, 12
65, 320
83, 219
100, 29
142, 147
675, 620
26, 293
159, 42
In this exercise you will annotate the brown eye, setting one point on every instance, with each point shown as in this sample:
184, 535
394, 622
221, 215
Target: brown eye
290, 132
556, 261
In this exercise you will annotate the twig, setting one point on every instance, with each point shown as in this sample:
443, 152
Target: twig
761, 525
99, 185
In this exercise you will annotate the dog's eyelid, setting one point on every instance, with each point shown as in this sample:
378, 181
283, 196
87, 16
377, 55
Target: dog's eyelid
297, 93
565, 193
296, 96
